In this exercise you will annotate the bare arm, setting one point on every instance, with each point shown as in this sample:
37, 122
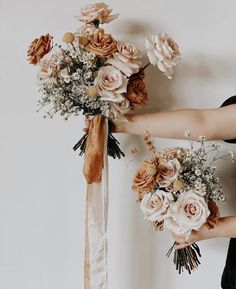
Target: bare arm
214, 124
225, 228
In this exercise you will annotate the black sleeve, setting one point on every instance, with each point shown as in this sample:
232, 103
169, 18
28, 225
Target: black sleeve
229, 101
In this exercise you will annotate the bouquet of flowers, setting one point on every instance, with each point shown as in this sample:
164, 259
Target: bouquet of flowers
93, 73
177, 189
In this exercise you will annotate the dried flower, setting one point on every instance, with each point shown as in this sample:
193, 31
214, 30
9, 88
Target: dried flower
68, 37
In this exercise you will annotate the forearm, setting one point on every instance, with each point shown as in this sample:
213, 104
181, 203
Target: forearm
211, 123
167, 124
225, 228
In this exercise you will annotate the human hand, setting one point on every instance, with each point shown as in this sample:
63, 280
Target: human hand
196, 235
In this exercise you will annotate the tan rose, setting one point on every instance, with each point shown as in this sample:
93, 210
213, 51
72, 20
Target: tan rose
137, 91
39, 47
96, 12
168, 172
127, 58
144, 179
101, 44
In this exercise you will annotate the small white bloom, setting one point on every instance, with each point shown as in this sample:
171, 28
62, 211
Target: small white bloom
187, 133
198, 172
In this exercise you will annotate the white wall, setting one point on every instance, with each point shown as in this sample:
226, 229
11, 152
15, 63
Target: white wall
41, 185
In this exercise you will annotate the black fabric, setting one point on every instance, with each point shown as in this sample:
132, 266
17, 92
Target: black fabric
228, 280
229, 101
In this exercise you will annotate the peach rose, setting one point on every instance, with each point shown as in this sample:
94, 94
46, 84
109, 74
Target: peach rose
39, 47
101, 44
137, 91
111, 84
144, 179
163, 51
96, 12
127, 58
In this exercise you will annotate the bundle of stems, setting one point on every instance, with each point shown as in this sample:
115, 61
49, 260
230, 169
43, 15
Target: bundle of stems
113, 149
186, 258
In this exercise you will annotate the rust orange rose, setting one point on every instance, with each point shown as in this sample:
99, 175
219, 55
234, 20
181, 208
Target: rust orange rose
39, 47
144, 179
101, 44
137, 91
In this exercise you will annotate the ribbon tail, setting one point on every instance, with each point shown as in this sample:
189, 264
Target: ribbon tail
95, 262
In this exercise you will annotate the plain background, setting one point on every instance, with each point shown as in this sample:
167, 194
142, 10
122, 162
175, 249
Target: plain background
42, 188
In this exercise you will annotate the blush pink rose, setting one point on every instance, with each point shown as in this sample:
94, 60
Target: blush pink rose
127, 58
96, 12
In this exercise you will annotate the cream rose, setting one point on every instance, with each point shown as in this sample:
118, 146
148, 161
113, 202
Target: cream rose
127, 58
190, 211
96, 12
163, 51
111, 84
168, 172
155, 205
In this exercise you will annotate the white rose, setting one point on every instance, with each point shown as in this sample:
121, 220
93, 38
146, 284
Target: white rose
97, 11
190, 211
127, 58
111, 84
163, 51
155, 205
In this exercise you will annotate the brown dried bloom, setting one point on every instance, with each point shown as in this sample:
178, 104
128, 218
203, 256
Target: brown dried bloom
39, 47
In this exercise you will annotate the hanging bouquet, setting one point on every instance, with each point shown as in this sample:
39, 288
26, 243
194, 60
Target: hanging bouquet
93, 73
177, 189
